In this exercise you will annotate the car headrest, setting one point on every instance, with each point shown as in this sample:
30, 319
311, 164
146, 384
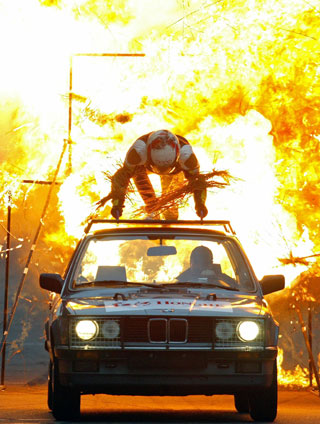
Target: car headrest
115, 273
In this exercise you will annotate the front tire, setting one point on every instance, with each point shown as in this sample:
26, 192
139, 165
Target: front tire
241, 403
65, 401
264, 403
49, 398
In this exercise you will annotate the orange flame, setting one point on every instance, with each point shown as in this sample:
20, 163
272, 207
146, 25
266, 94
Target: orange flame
293, 379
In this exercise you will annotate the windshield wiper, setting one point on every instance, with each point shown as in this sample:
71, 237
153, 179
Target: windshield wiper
110, 283
200, 284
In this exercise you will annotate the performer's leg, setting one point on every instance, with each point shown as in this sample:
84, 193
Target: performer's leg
168, 183
145, 188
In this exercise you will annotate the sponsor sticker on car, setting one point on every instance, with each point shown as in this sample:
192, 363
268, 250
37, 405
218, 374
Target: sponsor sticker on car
172, 303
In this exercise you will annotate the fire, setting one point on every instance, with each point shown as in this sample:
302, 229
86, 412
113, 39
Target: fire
210, 72
293, 379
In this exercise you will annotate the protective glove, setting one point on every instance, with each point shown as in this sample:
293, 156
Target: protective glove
201, 210
199, 202
116, 211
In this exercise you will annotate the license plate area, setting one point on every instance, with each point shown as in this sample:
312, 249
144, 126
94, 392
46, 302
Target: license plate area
168, 360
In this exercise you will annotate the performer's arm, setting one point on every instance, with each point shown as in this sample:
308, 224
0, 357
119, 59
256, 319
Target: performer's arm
190, 165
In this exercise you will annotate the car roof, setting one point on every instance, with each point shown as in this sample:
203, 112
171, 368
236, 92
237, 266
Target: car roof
145, 226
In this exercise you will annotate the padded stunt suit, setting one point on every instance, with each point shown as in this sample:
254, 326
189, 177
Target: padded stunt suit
137, 165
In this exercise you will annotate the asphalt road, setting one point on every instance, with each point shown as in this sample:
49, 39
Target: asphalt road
27, 404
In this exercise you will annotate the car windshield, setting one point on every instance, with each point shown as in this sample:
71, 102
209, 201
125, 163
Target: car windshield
157, 260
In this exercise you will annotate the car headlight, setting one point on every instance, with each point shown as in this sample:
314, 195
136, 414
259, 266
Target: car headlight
224, 330
248, 330
87, 329
110, 329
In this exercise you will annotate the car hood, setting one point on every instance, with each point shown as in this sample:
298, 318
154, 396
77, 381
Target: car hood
234, 305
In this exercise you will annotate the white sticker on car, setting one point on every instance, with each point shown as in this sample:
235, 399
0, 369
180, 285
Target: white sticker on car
192, 305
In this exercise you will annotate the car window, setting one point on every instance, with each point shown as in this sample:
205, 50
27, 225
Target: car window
167, 260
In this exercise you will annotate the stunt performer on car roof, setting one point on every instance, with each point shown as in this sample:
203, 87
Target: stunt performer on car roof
163, 153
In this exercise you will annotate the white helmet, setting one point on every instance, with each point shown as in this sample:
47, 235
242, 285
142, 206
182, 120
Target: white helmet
163, 151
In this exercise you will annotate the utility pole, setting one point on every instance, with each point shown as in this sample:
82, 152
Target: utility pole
310, 343
6, 289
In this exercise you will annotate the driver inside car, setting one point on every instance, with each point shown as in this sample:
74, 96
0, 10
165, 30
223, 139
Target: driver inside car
201, 266
203, 270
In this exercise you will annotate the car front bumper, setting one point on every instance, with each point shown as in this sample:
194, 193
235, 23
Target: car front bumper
164, 372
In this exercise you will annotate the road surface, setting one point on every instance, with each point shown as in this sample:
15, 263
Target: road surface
27, 404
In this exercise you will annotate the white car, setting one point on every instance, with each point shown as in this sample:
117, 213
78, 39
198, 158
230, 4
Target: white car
158, 308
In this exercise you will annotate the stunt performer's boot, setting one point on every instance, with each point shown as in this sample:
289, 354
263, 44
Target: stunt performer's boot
171, 214
151, 216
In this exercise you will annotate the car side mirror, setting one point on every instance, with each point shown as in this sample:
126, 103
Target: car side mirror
51, 282
272, 283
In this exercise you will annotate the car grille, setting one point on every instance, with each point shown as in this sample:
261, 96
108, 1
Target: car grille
175, 332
